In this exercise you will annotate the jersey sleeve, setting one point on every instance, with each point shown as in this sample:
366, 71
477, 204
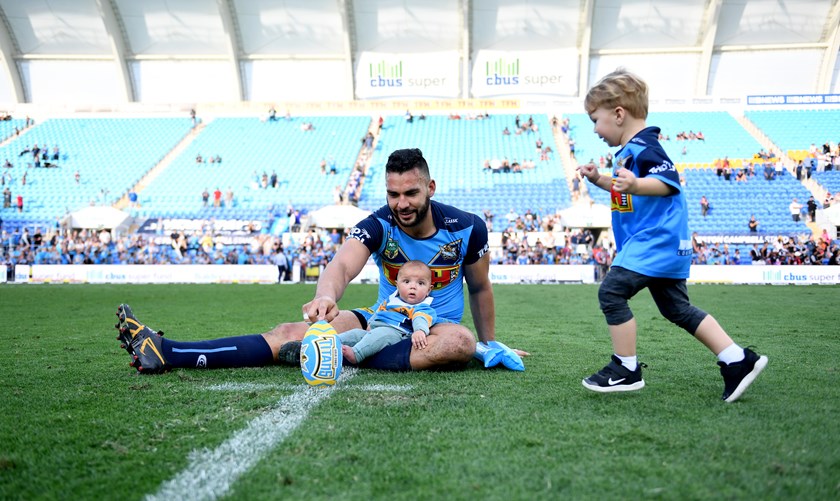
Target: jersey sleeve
478, 244
652, 162
369, 231
423, 317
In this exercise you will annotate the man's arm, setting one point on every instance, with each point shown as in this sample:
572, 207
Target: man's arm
482, 304
344, 267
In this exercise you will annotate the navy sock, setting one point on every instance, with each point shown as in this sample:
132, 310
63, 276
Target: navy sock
241, 351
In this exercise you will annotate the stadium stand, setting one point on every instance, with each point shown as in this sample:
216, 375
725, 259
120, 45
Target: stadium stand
457, 149
110, 155
248, 149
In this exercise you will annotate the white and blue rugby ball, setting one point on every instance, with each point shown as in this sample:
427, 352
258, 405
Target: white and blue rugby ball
320, 355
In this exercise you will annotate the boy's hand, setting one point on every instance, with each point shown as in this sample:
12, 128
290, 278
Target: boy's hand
625, 181
590, 172
418, 340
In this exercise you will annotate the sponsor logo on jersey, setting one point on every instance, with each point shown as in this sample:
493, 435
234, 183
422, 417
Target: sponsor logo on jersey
665, 167
622, 202
450, 220
359, 234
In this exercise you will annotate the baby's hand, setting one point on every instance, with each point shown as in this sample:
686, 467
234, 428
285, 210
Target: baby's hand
418, 340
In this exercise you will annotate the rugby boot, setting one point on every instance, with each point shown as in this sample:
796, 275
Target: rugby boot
141, 342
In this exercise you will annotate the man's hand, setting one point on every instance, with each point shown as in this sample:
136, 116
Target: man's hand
320, 308
418, 340
521, 353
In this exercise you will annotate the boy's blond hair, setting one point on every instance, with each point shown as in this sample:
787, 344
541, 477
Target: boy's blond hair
619, 88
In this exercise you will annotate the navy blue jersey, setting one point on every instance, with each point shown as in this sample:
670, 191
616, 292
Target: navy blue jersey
460, 239
651, 232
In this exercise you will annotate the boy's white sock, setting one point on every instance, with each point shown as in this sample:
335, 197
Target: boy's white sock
731, 354
628, 362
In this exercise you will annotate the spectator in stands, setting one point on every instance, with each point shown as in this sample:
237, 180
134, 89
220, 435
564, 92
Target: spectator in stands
741, 176
704, 205
272, 181
795, 209
799, 171
828, 200
229, 197
20, 203
217, 198
7, 198
812, 209
205, 197
331, 165
506, 132
753, 224
272, 114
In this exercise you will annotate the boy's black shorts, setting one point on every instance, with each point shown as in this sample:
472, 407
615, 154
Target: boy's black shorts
669, 294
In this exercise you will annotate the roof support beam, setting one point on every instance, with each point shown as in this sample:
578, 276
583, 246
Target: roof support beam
9, 50
829, 60
231, 27
116, 36
707, 43
585, 46
348, 22
466, 47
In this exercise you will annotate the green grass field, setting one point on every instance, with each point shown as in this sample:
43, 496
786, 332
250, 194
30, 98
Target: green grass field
77, 423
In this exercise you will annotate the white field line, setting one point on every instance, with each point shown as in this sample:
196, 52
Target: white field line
210, 474
288, 386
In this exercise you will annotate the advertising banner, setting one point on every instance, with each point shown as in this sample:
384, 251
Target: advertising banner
499, 274
507, 73
383, 75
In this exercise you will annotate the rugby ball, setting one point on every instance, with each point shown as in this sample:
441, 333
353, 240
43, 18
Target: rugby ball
320, 355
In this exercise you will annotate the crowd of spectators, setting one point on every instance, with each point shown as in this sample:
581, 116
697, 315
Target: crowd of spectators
783, 250
56, 246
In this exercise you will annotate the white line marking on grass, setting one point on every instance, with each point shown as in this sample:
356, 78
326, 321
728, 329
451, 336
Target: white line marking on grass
210, 474
287, 386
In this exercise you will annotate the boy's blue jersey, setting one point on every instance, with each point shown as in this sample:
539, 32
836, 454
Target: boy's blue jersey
460, 239
651, 232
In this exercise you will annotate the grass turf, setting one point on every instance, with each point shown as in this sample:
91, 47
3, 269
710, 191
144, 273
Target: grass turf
77, 423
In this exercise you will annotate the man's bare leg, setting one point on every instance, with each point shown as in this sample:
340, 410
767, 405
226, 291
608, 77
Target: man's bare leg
448, 345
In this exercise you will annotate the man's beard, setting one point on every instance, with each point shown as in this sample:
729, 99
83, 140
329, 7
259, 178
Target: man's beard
420, 215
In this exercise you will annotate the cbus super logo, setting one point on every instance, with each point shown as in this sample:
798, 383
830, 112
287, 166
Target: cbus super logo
502, 72
507, 73
390, 75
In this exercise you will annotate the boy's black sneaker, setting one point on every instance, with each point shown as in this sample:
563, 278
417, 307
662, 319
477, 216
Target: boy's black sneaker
615, 377
141, 342
738, 376
289, 353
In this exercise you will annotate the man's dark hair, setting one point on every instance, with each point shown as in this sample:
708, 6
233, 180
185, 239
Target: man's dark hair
402, 161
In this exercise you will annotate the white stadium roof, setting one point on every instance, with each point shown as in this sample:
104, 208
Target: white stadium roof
54, 51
